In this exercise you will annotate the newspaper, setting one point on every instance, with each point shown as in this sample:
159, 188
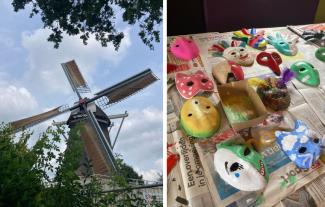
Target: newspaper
175, 188
292, 186
316, 190
196, 189
300, 198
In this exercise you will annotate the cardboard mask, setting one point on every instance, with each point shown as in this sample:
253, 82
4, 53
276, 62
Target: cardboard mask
252, 38
199, 117
237, 53
285, 47
190, 85
184, 48
302, 149
241, 166
227, 71
306, 73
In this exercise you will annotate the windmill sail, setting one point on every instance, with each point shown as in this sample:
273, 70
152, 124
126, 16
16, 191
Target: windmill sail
75, 77
127, 87
100, 152
33, 120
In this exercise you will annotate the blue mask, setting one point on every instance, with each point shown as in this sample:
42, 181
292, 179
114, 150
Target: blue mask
285, 47
302, 149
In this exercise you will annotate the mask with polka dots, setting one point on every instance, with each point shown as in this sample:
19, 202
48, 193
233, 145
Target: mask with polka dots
190, 85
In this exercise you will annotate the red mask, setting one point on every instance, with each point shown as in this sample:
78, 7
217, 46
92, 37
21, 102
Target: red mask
190, 85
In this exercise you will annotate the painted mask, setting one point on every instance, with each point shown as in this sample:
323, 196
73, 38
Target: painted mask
320, 54
302, 149
199, 117
184, 48
190, 85
285, 47
227, 71
236, 53
239, 55
252, 38
241, 166
271, 60
306, 73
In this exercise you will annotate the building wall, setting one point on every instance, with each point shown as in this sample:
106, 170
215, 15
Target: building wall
320, 14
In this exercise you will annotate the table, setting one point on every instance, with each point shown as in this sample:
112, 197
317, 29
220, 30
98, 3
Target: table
196, 157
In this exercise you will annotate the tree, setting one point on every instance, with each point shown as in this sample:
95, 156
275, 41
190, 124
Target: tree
26, 173
97, 17
126, 170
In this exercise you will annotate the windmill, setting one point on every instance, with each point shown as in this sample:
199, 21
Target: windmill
98, 146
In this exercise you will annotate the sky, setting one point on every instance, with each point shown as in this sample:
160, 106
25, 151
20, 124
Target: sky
32, 81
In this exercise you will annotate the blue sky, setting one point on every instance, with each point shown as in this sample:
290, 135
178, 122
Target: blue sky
32, 81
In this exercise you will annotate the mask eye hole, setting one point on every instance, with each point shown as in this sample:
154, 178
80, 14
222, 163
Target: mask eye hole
316, 140
189, 41
302, 70
189, 115
190, 83
281, 43
247, 151
204, 80
196, 102
233, 53
302, 150
242, 49
208, 107
176, 45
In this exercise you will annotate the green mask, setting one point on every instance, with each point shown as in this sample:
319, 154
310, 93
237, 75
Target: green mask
241, 166
306, 73
320, 54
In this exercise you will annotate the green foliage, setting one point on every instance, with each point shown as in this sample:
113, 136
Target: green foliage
97, 17
25, 174
126, 170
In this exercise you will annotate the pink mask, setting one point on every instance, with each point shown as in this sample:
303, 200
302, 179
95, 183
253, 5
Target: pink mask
184, 48
190, 85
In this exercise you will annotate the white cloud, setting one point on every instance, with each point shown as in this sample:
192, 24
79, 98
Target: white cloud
149, 175
15, 101
44, 62
141, 139
159, 163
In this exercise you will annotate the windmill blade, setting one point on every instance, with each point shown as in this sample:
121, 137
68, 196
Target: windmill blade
105, 147
119, 116
75, 77
33, 120
59, 123
127, 87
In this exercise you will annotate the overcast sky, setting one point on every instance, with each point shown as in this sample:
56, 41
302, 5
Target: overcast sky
32, 81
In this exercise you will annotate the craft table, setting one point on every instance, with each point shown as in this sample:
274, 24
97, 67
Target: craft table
194, 182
